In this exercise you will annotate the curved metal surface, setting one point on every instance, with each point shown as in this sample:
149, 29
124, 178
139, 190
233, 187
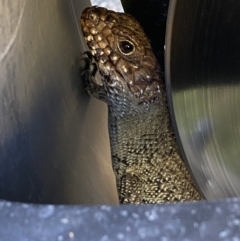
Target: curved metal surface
203, 76
54, 145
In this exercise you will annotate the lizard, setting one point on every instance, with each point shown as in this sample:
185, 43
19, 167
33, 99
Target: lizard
145, 155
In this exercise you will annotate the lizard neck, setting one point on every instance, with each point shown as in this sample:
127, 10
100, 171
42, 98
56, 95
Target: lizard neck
139, 132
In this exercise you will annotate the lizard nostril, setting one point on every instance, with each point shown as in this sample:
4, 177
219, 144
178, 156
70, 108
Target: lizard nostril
93, 16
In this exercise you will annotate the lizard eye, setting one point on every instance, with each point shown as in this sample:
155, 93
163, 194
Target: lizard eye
126, 47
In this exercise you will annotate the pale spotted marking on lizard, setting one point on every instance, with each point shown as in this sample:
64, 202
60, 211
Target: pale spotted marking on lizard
145, 155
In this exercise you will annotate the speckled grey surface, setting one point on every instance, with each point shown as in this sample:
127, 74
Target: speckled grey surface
217, 220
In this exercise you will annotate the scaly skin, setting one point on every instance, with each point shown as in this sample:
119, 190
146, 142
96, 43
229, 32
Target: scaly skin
145, 155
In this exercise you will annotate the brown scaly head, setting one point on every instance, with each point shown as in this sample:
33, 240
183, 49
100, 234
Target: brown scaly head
123, 54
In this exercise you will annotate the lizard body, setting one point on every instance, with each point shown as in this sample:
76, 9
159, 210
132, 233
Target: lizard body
145, 155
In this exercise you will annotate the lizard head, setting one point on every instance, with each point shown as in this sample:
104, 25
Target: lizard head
123, 54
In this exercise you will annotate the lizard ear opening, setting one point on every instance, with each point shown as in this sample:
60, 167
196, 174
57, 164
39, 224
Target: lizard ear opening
126, 47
